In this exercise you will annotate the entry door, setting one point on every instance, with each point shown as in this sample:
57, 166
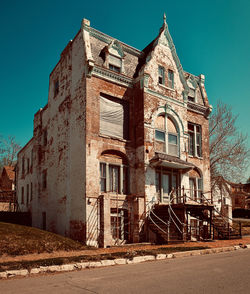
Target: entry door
165, 187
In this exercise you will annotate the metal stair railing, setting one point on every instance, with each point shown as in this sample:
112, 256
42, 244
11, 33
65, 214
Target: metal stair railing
171, 210
149, 216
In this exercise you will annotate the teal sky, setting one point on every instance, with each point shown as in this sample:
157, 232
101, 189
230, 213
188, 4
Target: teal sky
211, 37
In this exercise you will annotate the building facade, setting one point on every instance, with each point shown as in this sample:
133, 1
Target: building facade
7, 189
124, 132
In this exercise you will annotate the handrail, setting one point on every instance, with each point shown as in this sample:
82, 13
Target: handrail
149, 215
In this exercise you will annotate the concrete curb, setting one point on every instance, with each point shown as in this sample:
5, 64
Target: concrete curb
118, 261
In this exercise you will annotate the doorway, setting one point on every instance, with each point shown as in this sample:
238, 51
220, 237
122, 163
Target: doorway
165, 181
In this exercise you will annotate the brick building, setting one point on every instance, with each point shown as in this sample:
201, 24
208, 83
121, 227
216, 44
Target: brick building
7, 187
124, 134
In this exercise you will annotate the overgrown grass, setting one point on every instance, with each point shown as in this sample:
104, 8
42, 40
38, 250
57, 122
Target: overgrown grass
84, 258
21, 240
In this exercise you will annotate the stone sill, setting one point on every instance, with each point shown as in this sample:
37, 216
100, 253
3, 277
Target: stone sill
114, 138
198, 157
167, 88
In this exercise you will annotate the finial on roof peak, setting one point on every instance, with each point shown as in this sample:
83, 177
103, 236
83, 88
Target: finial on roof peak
164, 18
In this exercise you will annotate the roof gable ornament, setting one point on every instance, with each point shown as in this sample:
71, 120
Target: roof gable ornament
191, 81
164, 38
115, 48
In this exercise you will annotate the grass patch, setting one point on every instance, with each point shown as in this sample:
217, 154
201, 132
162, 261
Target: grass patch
21, 240
84, 258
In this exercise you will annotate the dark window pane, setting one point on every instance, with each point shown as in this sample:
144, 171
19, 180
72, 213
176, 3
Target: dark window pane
103, 177
191, 143
172, 139
160, 136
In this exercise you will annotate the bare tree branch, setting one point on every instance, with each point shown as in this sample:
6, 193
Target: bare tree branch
229, 154
8, 150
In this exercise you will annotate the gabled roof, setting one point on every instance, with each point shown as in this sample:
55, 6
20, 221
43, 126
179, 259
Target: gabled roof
163, 37
10, 172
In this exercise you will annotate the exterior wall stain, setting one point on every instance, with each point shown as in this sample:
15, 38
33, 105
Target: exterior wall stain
67, 147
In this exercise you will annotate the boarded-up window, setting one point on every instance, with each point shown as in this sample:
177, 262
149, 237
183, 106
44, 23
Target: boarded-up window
114, 117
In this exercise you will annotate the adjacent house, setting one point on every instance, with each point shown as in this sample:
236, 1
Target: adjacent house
7, 188
120, 153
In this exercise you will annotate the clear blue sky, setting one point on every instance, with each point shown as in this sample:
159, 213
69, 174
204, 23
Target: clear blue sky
211, 37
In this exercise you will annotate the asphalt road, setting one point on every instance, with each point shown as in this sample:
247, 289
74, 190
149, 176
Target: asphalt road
215, 273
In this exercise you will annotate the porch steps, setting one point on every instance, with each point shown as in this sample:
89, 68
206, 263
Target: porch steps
161, 229
223, 230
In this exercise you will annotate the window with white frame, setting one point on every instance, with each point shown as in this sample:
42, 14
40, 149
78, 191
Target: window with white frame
194, 133
161, 75
170, 79
166, 135
119, 223
113, 174
195, 186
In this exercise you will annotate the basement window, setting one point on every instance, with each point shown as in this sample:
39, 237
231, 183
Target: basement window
119, 223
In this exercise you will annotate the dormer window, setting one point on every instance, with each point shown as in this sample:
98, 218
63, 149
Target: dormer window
191, 95
161, 75
115, 63
170, 79
114, 57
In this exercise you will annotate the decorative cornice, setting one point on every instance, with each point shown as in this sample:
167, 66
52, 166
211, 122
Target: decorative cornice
201, 109
107, 39
166, 98
111, 76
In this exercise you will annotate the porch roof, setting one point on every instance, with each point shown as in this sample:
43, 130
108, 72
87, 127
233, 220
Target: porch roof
162, 159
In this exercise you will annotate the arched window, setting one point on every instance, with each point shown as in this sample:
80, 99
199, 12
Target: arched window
114, 172
166, 135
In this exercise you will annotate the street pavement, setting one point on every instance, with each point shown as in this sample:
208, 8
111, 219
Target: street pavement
214, 273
